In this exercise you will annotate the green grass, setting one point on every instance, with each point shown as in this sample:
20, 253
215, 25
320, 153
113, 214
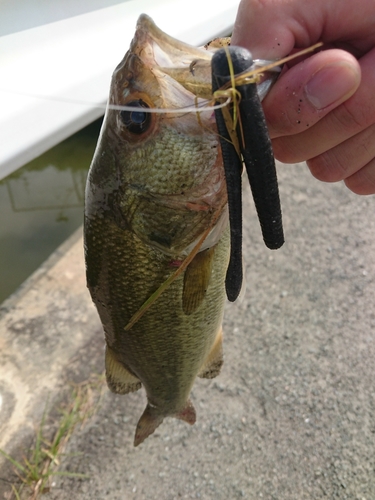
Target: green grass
40, 465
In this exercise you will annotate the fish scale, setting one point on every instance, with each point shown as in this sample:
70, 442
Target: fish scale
173, 161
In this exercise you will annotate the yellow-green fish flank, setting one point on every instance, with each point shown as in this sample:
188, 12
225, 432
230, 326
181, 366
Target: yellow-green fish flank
155, 186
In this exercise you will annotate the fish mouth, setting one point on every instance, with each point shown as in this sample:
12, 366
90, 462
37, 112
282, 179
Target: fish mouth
164, 55
187, 65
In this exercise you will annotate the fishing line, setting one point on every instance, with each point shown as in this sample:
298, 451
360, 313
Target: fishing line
202, 106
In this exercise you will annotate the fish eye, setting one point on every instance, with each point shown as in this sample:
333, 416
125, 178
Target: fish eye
136, 121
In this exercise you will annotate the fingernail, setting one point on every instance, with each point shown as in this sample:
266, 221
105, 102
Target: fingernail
332, 83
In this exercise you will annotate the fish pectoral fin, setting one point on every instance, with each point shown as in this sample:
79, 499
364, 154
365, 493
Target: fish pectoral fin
196, 280
147, 424
119, 378
214, 361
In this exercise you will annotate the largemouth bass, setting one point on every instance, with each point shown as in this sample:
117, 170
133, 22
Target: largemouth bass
156, 184
155, 189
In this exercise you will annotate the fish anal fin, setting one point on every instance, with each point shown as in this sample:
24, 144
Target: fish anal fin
119, 378
187, 414
214, 361
147, 424
196, 280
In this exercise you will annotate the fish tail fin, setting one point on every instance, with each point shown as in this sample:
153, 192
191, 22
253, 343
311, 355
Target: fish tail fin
214, 361
151, 419
147, 424
119, 378
187, 414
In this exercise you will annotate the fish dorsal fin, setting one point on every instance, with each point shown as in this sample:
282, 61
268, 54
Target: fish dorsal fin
196, 280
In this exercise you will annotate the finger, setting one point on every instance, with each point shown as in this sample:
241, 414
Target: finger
310, 90
271, 29
346, 159
348, 119
363, 181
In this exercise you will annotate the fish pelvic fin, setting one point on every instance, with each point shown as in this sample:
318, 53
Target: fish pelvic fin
147, 424
119, 378
214, 361
151, 419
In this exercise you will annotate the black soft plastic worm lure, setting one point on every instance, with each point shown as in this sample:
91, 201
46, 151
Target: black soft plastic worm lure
256, 153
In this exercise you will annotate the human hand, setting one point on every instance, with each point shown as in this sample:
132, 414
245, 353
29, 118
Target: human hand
321, 109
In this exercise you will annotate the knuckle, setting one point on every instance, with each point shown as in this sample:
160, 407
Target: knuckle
349, 118
363, 181
327, 167
285, 152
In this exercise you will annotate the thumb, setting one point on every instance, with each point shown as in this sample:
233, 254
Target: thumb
309, 90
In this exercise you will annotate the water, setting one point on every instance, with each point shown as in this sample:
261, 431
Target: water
41, 205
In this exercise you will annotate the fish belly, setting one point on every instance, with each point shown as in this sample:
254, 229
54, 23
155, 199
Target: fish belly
169, 345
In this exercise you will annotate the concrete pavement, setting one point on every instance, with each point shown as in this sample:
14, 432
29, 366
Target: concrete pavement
292, 415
